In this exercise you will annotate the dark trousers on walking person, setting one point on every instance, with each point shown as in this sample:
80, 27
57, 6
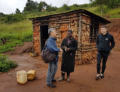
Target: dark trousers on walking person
104, 43
102, 57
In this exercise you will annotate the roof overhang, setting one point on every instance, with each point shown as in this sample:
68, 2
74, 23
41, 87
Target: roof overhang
82, 11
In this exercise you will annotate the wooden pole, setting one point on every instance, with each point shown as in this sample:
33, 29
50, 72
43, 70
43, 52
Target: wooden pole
80, 36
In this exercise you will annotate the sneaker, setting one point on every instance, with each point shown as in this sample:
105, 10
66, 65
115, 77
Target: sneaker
68, 79
51, 85
61, 79
98, 77
54, 80
102, 76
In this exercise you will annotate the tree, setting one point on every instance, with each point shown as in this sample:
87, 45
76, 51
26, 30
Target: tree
51, 8
109, 3
65, 7
113, 3
2, 14
17, 11
101, 3
31, 6
42, 6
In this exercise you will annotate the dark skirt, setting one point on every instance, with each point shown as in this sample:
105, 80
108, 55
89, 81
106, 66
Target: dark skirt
68, 62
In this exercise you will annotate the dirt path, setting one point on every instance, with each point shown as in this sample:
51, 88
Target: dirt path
82, 80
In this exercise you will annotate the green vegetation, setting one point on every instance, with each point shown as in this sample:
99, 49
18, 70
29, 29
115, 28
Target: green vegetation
6, 64
107, 13
12, 18
17, 28
14, 34
32, 6
115, 13
109, 3
106, 6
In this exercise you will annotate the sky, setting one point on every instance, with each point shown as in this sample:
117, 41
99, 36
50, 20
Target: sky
9, 6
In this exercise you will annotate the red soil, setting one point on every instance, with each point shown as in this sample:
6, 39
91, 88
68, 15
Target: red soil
114, 29
82, 80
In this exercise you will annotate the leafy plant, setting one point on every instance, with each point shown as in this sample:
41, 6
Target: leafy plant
6, 64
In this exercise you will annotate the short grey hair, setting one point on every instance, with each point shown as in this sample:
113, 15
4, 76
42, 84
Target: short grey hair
51, 30
103, 26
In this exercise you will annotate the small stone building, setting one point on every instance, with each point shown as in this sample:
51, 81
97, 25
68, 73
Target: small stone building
84, 24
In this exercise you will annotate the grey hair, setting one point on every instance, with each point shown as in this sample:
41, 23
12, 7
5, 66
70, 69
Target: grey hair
50, 30
103, 26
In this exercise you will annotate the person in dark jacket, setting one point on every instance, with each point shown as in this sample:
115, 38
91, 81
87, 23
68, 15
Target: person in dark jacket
105, 43
52, 67
69, 46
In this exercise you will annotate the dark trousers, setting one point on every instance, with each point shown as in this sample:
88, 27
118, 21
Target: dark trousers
102, 56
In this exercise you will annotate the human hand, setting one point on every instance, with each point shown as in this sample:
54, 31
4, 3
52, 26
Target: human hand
61, 50
65, 48
68, 49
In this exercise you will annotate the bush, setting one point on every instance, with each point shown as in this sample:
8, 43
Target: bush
12, 18
6, 64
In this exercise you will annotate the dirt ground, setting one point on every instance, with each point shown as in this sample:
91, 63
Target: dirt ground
82, 80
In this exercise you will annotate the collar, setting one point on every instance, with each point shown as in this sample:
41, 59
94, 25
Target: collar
71, 38
105, 34
53, 38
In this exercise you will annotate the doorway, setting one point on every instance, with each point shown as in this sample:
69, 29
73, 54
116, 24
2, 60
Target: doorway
43, 35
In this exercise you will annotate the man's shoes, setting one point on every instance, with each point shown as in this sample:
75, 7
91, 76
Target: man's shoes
51, 85
98, 76
54, 80
102, 76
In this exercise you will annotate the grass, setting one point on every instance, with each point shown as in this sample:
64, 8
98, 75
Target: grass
111, 13
6, 64
15, 34
18, 32
114, 13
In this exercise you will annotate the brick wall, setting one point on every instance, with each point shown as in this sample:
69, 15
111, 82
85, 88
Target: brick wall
36, 38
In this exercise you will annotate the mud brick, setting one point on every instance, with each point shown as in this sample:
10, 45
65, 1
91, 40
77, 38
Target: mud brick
81, 31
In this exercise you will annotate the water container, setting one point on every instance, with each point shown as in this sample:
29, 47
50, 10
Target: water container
31, 74
22, 77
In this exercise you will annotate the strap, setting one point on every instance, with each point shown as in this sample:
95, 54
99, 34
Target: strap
45, 44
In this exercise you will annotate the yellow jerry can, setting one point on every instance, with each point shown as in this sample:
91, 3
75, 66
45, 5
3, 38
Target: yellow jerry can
31, 74
22, 77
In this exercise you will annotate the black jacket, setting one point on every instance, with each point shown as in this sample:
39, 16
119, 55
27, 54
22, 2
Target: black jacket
105, 42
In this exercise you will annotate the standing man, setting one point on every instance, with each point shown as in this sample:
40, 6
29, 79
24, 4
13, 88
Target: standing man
52, 67
69, 47
105, 43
